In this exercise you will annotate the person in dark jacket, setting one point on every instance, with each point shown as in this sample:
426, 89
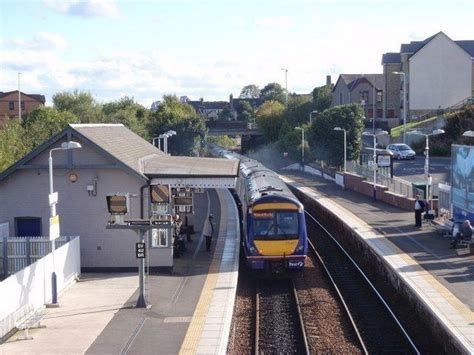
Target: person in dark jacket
465, 232
208, 232
419, 208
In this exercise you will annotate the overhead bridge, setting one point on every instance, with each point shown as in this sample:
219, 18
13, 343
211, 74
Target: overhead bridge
233, 128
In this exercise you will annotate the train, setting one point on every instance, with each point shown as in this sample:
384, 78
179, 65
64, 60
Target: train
274, 237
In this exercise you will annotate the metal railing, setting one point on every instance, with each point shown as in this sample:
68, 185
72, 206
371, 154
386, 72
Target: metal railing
18, 252
395, 184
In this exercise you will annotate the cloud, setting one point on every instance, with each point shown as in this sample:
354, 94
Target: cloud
41, 41
85, 8
276, 21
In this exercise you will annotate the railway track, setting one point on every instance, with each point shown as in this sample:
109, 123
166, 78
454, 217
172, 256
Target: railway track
377, 327
279, 323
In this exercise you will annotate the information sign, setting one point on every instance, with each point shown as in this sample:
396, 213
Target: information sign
53, 198
140, 250
383, 160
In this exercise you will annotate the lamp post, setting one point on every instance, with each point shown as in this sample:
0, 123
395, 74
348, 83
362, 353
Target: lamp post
374, 162
468, 134
286, 84
53, 199
427, 158
159, 142
165, 140
310, 116
345, 145
404, 102
302, 146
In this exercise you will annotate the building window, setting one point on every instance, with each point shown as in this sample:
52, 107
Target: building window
391, 113
11, 105
159, 238
370, 113
379, 96
364, 97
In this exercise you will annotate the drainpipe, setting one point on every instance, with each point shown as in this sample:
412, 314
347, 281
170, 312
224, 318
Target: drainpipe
141, 199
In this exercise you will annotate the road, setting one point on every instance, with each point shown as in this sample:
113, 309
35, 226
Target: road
413, 170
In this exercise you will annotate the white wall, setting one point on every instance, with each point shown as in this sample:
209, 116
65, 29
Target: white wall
440, 75
31, 287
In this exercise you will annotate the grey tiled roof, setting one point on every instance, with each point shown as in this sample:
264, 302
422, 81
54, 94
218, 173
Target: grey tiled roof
352, 80
189, 166
120, 142
391, 58
468, 46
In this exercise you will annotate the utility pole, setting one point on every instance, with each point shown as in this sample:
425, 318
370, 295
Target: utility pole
19, 98
286, 84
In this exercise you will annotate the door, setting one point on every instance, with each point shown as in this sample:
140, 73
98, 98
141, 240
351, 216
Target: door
28, 226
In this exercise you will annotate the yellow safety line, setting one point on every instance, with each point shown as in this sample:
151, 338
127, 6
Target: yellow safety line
196, 326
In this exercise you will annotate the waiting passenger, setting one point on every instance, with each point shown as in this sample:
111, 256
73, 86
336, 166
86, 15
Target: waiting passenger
465, 233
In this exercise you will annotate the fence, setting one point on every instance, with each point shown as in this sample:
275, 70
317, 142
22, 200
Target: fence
395, 184
19, 252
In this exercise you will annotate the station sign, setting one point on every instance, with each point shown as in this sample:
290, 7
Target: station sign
140, 250
383, 160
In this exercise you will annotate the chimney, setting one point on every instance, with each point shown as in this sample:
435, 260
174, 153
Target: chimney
328, 80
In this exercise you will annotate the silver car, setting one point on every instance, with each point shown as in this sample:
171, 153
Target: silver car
401, 151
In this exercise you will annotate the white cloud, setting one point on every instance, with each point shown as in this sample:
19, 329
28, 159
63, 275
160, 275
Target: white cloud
85, 8
41, 41
276, 21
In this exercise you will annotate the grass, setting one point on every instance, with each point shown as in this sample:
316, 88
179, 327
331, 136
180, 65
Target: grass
398, 131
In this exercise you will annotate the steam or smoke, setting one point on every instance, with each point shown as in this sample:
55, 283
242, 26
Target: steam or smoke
270, 156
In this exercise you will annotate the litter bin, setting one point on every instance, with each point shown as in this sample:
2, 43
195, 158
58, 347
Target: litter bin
419, 187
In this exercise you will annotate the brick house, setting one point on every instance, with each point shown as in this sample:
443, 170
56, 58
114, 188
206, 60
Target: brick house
439, 73
9, 104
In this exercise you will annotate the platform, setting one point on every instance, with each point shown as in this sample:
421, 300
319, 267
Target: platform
191, 308
442, 278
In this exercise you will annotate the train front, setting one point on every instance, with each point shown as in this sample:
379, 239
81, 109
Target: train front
276, 235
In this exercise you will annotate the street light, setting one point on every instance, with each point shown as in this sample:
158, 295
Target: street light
54, 220
374, 163
468, 134
345, 154
286, 84
302, 145
165, 137
165, 140
404, 103
311, 118
427, 158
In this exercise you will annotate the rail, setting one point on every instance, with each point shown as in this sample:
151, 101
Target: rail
364, 300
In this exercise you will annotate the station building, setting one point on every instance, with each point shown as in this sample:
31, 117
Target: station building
112, 160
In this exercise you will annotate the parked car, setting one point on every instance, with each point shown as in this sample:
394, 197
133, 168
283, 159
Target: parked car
401, 151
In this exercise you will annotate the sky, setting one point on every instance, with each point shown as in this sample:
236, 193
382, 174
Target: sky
207, 48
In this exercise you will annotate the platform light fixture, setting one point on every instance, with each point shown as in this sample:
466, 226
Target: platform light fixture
375, 134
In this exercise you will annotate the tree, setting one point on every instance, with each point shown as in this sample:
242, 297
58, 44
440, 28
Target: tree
44, 123
327, 144
79, 103
129, 113
181, 117
270, 119
298, 109
250, 92
248, 112
273, 92
322, 98
13, 144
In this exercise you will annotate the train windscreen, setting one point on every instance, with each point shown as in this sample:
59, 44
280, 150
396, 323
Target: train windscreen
275, 225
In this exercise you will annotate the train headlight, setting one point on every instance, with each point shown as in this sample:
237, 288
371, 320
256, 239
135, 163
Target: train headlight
252, 250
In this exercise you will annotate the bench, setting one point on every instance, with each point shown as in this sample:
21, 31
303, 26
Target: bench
445, 229
31, 320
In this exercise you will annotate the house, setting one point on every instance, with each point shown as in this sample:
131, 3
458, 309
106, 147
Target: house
364, 89
112, 160
438, 73
9, 104
209, 109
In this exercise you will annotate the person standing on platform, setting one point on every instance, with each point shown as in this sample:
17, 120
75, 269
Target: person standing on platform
419, 208
208, 232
